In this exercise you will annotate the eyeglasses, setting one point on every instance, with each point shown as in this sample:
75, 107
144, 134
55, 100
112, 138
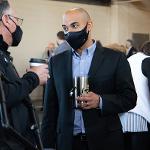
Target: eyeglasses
19, 20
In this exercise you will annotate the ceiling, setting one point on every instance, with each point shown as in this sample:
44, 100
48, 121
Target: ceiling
140, 4
100, 2
90, 2
127, 1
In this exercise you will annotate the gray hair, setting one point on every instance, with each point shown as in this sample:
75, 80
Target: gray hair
4, 6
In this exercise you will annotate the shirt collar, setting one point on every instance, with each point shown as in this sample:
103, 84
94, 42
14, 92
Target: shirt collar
89, 51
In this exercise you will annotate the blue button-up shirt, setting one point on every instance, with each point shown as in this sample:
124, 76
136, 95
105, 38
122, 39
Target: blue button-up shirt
81, 65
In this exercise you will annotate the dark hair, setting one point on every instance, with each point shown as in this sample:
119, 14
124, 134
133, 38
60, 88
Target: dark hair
61, 35
4, 5
130, 41
145, 48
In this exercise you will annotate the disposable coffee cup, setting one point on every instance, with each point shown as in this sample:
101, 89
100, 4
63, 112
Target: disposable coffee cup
34, 62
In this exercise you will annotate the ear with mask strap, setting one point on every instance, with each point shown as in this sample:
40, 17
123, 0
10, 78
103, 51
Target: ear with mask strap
16, 35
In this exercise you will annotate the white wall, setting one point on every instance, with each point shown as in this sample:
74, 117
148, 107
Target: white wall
132, 19
43, 18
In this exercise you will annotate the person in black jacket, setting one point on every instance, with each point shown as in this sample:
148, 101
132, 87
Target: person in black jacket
146, 70
146, 62
131, 50
16, 89
95, 125
136, 122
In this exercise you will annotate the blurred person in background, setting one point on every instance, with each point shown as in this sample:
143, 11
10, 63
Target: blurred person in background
117, 47
130, 49
136, 122
61, 43
49, 51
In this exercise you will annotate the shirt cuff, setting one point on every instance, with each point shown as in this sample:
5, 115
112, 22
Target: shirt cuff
101, 102
48, 149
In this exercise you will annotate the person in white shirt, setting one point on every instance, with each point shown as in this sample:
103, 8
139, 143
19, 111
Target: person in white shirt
136, 121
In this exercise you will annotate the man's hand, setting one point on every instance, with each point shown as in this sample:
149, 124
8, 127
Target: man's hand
89, 100
42, 72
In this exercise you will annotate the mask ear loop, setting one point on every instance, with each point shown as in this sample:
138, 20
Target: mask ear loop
85, 28
12, 20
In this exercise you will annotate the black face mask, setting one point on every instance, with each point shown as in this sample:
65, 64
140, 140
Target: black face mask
77, 39
3, 45
17, 36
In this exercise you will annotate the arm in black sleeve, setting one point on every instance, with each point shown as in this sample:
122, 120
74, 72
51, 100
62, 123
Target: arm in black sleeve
124, 97
146, 69
49, 121
16, 91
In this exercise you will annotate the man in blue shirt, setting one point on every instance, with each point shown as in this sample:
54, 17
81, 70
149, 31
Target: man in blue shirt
95, 125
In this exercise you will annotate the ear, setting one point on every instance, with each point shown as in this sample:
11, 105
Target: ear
90, 26
5, 20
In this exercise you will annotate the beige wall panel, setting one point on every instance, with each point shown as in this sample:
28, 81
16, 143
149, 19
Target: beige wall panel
132, 20
43, 19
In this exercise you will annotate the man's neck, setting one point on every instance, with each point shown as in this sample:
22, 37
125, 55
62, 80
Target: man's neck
88, 43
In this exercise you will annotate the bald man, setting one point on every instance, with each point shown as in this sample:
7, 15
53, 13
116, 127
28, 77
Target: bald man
94, 124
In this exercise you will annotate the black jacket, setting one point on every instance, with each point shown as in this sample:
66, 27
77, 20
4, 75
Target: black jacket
146, 69
17, 92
